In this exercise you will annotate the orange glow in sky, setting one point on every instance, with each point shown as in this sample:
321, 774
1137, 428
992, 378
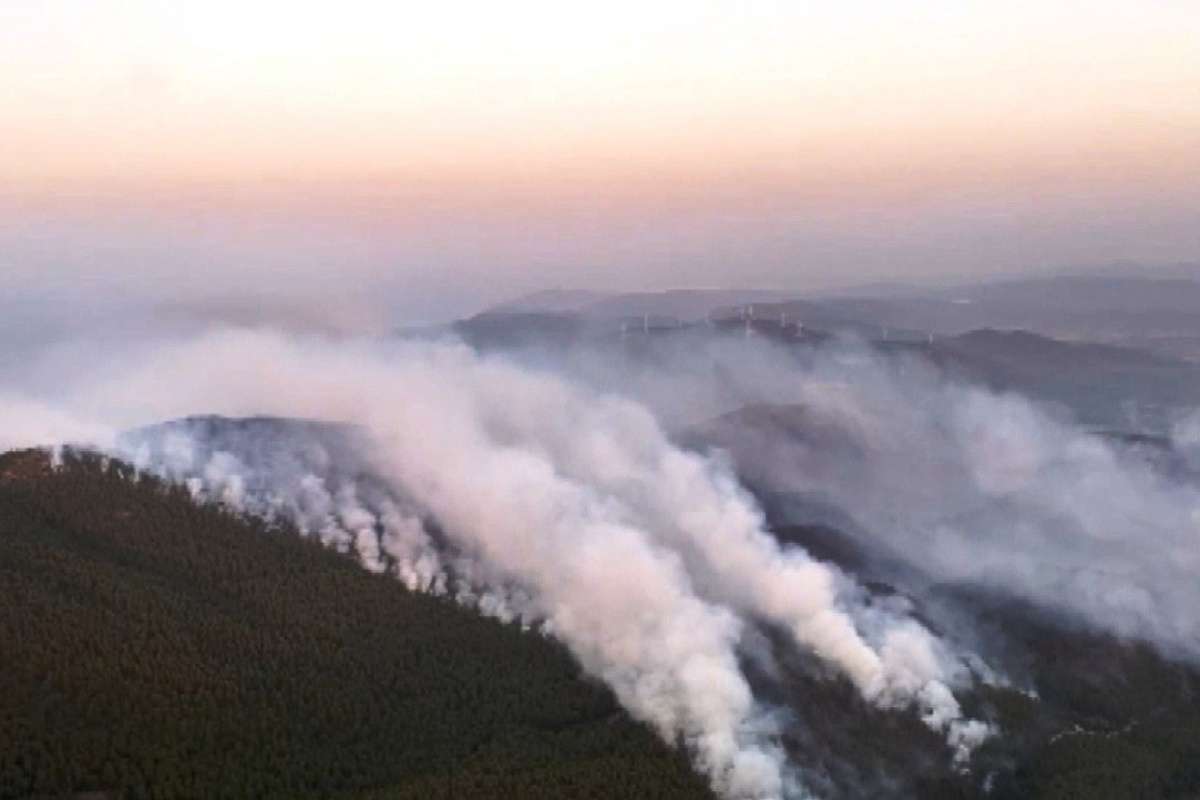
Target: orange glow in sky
776, 138
139, 90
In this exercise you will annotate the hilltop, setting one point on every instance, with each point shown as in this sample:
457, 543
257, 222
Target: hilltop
154, 647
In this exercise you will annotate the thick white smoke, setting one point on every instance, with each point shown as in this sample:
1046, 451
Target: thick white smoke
558, 505
964, 484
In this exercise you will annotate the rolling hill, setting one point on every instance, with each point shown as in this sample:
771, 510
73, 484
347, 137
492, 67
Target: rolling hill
155, 648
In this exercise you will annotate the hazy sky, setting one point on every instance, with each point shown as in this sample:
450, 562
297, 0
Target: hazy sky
399, 160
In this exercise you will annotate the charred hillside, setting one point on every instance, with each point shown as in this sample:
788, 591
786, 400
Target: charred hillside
156, 648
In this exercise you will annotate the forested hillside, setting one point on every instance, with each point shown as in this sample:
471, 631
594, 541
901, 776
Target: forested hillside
150, 647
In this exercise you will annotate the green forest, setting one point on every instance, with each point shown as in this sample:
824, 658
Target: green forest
150, 647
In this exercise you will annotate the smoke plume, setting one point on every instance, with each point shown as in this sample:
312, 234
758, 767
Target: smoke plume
962, 485
534, 496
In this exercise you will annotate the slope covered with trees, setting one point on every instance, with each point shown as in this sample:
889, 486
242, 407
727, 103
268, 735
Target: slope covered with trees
150, 647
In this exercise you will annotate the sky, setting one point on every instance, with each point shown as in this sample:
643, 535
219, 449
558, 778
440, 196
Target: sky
365, 164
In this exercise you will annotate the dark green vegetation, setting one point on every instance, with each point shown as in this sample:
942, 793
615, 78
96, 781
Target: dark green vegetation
153, 648
1112, 721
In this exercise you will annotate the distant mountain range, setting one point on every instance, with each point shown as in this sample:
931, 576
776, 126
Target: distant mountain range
1160, 313
684, 305
1104, 385
1121, 383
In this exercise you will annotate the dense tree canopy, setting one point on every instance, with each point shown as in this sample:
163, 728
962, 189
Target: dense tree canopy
151, 647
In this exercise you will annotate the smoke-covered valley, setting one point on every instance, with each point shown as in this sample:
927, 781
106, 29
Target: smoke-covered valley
772, 548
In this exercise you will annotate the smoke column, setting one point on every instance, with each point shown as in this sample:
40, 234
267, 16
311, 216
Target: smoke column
556, 504
962, 484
